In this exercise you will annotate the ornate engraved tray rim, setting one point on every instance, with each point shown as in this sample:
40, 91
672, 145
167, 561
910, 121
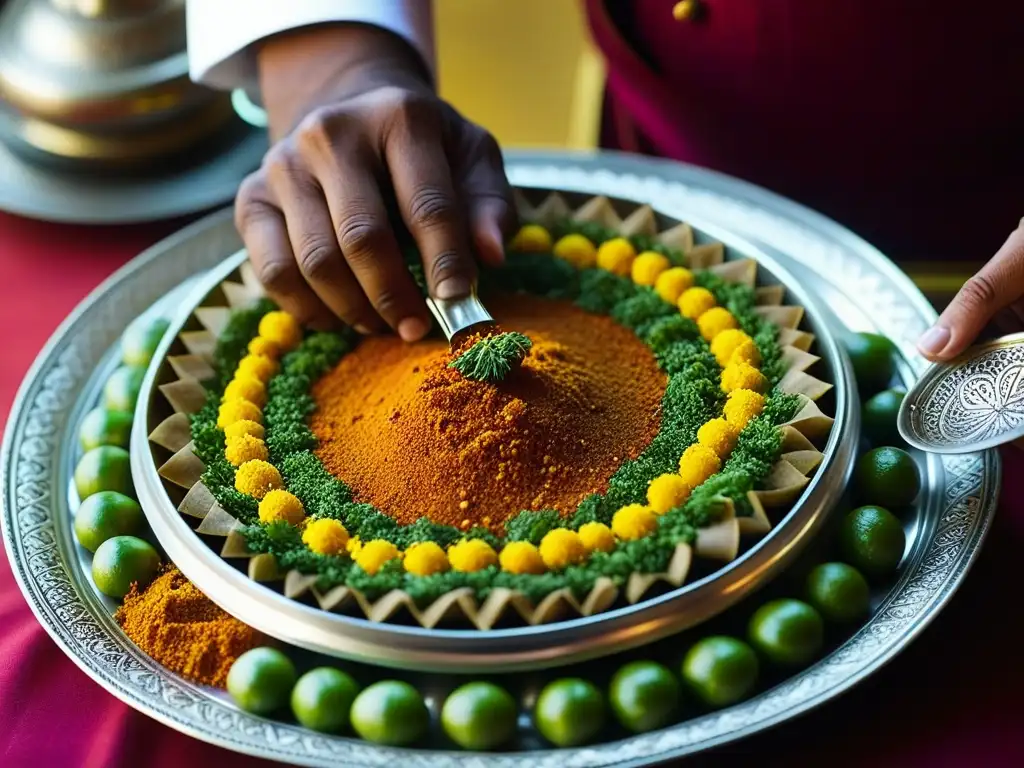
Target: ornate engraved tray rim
35, 519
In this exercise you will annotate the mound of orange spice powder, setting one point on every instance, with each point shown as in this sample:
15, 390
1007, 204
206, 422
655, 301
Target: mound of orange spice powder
180, 627
413, 437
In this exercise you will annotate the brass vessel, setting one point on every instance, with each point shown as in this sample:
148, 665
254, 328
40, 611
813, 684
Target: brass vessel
102, 83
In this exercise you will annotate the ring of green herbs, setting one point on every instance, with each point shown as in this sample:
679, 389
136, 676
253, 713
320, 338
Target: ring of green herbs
692, 397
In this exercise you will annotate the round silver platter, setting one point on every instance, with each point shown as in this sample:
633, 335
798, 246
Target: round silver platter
857, 289
512, 649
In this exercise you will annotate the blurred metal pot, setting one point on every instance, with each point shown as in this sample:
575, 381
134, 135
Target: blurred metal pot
102, 83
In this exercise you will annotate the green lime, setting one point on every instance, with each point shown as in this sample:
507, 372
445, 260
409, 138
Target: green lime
644, 696
390, 712
839, 592
322, 698
887, 476
479, 716
878, 417
721, 670
569, 712
261, 680
122, 388
141, 339
874, 361
106, 468
105, 515
122, 561
103, 427
788, 632
872, 539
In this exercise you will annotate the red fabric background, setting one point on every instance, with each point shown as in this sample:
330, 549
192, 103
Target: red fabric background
953, 699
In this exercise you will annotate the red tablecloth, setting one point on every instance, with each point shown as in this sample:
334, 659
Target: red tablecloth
951, 700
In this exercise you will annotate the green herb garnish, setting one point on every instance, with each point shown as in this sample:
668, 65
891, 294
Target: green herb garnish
492, 358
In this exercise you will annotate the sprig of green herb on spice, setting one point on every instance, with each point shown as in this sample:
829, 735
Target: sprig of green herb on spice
492, 358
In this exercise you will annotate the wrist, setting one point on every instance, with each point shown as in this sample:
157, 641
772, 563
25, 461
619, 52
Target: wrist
304, 69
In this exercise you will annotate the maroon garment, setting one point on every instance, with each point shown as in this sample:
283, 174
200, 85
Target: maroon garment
902, 120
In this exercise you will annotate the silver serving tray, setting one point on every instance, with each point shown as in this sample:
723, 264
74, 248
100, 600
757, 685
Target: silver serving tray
856, 286
531, 647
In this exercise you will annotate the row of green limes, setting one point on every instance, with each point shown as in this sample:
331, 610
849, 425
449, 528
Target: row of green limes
643, 695
109, 519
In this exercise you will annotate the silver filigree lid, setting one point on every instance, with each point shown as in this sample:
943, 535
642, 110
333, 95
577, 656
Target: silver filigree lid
971, 404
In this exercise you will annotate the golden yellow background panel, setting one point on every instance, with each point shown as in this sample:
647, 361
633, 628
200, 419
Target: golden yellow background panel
525, 69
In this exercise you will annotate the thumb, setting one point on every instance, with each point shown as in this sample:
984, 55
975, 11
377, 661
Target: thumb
998, 284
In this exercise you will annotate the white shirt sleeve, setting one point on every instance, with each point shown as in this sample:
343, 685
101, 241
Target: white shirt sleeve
221, 33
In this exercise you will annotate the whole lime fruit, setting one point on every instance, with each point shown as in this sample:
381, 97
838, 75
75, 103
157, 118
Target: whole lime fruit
140, 340
569, 712
390, 712
322, 699
874, 361
261, 680
788, 632
644, 696
107, 468
878, 417
839, 592
479, 716
122, 561
871, 538
887, 476
105, 515
104, 427
721, 670
122, 388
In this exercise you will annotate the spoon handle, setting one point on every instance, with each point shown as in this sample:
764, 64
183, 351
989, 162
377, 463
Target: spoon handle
456, 315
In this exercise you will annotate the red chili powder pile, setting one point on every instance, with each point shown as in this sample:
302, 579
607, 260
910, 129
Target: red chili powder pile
413, 437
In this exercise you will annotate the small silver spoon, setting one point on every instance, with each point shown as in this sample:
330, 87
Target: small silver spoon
457, 316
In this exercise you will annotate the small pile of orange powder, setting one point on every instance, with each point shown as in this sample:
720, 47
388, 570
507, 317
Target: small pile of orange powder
413, 437
180, 627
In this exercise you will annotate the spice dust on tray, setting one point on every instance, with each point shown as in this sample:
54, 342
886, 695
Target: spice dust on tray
180, 627
416, 438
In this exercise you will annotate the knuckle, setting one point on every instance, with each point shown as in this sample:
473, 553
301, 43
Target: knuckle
319, 130
285, 170
410, 105
250, 211
978, 293
361, 236
431, 206
277, 159
274, 274
316, 255
249, 190
490, 148
386, 301
446, 264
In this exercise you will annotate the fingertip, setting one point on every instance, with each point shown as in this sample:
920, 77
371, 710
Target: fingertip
934, 342
489, 242
412, 329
